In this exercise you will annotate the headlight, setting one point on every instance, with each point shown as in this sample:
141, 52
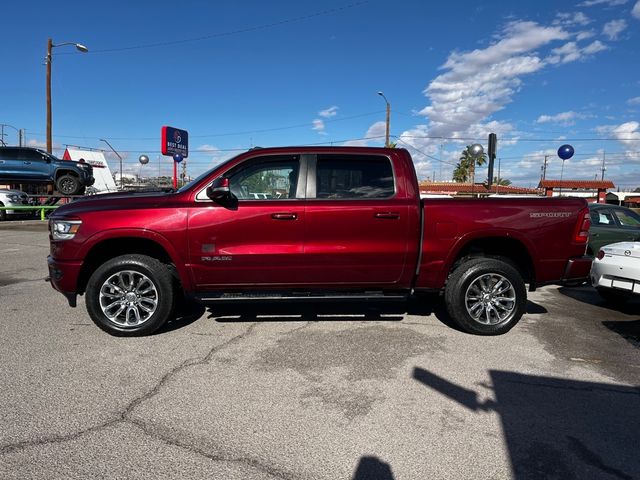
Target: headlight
64, 229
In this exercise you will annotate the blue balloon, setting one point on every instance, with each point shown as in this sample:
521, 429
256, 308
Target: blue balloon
565, 152
178, 158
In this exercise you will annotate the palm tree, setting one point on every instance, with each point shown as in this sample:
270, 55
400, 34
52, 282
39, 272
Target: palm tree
461, 173
465, 169
503, 182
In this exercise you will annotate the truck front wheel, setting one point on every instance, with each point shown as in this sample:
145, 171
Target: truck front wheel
130, 295
68, 185
485, 296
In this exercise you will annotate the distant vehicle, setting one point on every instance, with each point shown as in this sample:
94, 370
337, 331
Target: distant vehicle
32, 165
611, 224
12, 198
615, 272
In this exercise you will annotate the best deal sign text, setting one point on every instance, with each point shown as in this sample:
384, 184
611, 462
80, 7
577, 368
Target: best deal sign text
175, 141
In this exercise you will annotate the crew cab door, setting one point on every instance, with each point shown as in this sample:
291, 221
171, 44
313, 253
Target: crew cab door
258, 237
34, 165
356, 223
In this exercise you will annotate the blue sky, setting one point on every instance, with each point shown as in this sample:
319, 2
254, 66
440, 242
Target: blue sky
239, 74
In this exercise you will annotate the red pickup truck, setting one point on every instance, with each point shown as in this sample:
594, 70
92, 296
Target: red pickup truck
309, 223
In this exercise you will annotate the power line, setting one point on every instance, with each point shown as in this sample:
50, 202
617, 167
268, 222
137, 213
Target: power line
212, 150
264, 26
423, 153
520, 139
227, 134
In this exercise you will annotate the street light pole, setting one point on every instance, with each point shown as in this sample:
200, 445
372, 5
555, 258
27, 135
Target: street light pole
386, 141
47, 61
117, 155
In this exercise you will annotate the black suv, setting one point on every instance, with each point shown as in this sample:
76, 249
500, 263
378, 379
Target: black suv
31, 165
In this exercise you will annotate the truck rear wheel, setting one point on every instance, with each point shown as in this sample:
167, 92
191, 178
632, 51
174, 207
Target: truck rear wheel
68, 185
485, 296
130, 295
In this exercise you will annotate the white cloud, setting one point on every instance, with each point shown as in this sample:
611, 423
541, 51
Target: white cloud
567, 19
563, 118
614, 28
594, 47
634, 101
37, 144
571, 52
636, 10
481, 82
628, 133
318, 126
378, 129
609, 3
329, 112
214, 155
584, 35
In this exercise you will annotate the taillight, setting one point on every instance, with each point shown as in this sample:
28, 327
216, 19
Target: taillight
600, 255
582, 227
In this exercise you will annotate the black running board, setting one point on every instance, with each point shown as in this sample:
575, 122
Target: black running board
298, 296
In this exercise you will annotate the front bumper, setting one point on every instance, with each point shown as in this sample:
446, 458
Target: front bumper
577, 269
63, 276
8, 205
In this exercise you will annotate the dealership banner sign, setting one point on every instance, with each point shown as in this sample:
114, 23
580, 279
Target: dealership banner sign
174, 142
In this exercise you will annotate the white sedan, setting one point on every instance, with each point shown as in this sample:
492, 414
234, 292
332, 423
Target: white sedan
615, 271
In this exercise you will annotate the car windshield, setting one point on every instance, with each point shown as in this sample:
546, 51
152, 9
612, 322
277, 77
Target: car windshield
198, 179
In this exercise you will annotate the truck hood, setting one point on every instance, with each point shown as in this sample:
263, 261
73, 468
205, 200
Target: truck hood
114, 201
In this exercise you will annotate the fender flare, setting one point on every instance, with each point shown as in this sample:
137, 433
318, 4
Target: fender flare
162, 241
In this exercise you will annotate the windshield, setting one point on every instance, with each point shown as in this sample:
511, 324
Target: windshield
200, 177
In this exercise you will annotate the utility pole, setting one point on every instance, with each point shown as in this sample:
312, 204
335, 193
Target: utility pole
386, 141
48, 62
544, 167
603, 163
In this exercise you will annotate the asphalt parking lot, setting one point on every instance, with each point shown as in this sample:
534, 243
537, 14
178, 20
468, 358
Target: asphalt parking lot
317, 392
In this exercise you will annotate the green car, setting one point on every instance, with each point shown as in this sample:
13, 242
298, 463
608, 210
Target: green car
611, 224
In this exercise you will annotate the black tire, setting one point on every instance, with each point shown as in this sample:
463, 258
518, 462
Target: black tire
120, 295
68, 185
477, 286
613, 297
3, 213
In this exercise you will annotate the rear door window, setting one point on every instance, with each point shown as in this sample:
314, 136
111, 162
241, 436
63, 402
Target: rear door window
352, 177
603, 218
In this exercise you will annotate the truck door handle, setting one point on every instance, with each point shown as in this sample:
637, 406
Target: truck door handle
284, 216
389, 215
27, 163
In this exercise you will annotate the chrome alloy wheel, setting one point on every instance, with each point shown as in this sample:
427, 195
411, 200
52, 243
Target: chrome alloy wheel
128, 298
490, 299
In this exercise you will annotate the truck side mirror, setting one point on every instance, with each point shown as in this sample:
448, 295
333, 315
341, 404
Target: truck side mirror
219, 189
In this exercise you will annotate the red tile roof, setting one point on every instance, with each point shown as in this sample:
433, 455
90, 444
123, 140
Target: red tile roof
453, 188
579, 184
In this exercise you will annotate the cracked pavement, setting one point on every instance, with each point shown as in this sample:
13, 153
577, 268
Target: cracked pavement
316, 392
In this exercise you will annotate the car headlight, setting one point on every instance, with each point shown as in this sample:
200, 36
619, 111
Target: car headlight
64, 229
